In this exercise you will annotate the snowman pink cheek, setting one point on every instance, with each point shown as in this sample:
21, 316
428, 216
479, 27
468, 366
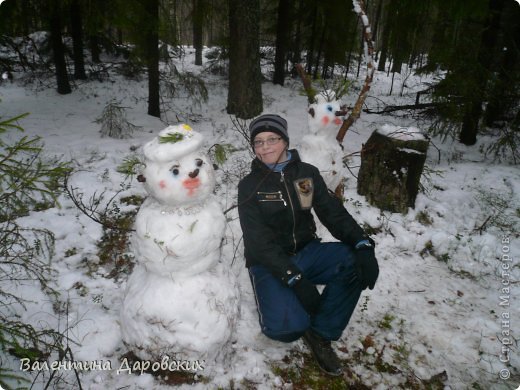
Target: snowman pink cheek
325, 120
162, 184
337, 121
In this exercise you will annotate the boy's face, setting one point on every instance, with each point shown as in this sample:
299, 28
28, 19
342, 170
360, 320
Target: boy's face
270, 154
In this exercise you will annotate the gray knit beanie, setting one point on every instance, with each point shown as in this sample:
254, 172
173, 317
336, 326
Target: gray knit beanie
269, 122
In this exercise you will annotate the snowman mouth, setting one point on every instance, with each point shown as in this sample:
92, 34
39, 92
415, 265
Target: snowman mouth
191, 185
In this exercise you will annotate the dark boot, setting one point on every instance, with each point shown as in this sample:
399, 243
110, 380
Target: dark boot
323, 353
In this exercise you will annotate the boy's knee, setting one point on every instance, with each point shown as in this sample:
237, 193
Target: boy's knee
287, 328
285, 337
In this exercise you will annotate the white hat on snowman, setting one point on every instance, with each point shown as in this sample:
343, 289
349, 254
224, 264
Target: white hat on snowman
172, 143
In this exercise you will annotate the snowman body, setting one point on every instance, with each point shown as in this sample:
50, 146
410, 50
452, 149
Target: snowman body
181, 299
178, 241
319, 147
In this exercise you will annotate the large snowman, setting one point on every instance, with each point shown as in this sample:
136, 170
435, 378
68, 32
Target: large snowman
319, 147
181, 299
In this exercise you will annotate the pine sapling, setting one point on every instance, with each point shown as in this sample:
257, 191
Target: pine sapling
114, 123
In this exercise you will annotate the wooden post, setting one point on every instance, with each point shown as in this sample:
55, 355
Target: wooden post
392, 162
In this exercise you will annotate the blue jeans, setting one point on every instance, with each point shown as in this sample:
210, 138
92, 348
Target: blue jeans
283, 318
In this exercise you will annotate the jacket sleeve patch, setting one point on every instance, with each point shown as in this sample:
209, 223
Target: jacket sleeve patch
305, 191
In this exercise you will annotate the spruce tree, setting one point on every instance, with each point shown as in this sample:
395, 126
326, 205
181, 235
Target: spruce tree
245, 78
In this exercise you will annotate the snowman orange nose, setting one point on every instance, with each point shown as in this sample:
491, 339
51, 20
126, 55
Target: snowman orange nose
193, 174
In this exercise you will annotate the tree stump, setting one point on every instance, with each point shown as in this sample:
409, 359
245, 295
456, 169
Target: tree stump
392, 162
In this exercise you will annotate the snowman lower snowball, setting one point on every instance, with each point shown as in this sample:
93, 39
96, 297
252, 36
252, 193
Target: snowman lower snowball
181, 300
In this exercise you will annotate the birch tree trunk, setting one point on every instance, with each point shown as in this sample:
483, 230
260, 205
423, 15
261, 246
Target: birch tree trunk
359, 7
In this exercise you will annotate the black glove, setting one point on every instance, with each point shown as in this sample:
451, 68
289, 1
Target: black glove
367, 268
308, 295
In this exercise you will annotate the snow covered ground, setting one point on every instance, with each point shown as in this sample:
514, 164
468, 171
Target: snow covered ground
439, 304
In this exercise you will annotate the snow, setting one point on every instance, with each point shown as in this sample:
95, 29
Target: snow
403, 133
408, 150
443, 269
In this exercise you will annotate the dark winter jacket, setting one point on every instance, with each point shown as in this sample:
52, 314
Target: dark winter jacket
275, 214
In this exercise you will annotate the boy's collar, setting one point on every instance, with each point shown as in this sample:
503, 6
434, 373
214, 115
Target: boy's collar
292, 155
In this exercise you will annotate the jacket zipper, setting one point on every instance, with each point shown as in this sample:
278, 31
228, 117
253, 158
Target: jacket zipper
282, 179
281, 199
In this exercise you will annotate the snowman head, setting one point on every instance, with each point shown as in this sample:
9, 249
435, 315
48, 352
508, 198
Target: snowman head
177, 172
325, 115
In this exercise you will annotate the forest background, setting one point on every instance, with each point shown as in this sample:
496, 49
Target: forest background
475, 43
469, 51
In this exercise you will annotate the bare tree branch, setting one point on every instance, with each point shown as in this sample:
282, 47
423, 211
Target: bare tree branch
359, 8
307, 84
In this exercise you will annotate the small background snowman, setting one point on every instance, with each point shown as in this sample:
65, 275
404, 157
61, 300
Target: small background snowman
181, 300
319, 147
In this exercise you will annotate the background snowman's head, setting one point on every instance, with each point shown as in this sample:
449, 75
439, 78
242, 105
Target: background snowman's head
325, 115
177, 172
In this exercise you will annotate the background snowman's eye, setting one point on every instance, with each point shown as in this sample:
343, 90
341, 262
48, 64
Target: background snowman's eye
199, 162
175, 170
329, 108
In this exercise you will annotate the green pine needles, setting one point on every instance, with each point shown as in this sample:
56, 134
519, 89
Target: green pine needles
28, 182
130, 166
171, 138
114, 123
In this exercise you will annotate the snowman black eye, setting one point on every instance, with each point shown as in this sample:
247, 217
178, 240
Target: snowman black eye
329, 108
199, 162
175, 170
